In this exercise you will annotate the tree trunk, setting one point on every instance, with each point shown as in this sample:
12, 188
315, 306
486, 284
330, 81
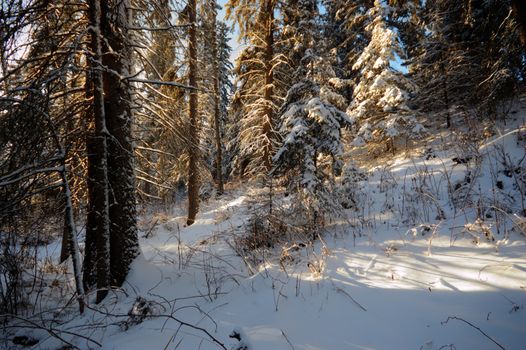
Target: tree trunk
124, 243
70, 229
99, 183
69, 140
217, 112
193, 171
72, 238
268, 116
90, 243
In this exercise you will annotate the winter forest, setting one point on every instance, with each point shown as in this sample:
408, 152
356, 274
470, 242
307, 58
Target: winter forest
263, 174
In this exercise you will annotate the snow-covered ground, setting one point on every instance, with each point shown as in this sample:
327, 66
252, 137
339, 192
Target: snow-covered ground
411, 269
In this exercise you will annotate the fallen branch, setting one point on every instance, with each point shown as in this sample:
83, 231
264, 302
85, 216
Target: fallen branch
472, 325
339, 290
287, 339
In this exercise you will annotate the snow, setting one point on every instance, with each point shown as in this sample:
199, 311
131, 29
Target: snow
407, 295
395, 275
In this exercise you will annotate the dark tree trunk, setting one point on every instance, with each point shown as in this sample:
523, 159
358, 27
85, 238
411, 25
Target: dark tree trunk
124, 243
217, 112
193, 171
98, 221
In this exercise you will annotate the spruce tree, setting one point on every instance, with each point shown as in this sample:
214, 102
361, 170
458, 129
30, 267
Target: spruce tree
258, 83
311, 123
470, 57
380, 99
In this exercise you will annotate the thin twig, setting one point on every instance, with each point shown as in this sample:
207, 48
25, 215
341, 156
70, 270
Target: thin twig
147, 234
344, 292
287, 339
52, 332
183, 323
472, 325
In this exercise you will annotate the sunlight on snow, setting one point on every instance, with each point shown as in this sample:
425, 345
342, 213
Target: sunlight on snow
451, 269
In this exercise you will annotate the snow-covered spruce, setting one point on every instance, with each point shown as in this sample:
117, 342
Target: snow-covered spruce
311, 150
381, 96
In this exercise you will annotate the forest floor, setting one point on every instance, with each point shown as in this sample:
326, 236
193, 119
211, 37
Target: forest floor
435, 258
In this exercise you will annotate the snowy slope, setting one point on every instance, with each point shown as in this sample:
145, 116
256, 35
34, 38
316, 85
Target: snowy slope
412, 269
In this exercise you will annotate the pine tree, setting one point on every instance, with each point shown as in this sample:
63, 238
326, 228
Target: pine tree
161, 102
161, 53
214, 69
407, 18
312, 148
299, 29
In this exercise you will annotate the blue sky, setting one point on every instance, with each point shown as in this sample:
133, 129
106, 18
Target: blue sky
234, 44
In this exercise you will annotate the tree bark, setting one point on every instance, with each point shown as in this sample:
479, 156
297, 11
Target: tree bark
99, 183
124, 243
217, 112
193, 171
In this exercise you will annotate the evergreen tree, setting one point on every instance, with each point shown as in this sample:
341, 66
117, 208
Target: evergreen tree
346, 37
217, 106
312, 150
215, 71
299, 30
258, 84
224, 91
310, 154
41, 104
159, 128
380, 98
124, 244
470, 56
